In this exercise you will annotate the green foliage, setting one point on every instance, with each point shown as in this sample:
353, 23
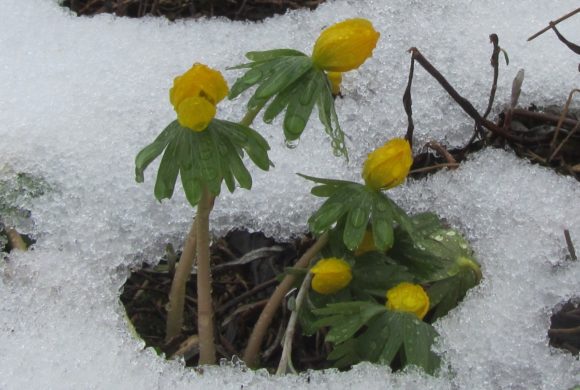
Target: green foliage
289, 81
445, 294
432, 251
203, 158
358, 205
364, 331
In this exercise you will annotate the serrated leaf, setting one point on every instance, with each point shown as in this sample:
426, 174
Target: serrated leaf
168, 170
278, 104
321, 180
330, 212
257, 73
328, 117
433, 252
345, 354
300, 104
382, 221
346, 319
153, 150
446, 294
323, 191
418, 337
267, 55
374, 274
285, 72
357, 220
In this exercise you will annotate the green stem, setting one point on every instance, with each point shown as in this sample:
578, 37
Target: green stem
255, 342
207, 353
177, 293
248, 119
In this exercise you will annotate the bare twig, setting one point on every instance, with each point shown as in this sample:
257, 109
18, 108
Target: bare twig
494, 39
561, 120
572, 46
434, 167
570, 245
442, 151
561, 19
408, 104
557, 150
286, 359
463, 103
255, 342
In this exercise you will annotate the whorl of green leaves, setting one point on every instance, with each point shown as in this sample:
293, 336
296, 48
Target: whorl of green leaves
289, 81
358, 205
366, 331
203, 158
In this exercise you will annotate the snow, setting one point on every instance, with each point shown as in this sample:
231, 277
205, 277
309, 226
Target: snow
81, 96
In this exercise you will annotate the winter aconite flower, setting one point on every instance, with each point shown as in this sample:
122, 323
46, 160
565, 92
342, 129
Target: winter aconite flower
330, 275
345, 46
388, 166
195, 94
408, 297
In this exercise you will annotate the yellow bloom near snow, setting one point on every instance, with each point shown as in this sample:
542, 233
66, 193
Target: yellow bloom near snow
408, 297
330, 275
389, 165
195, 94
345, 46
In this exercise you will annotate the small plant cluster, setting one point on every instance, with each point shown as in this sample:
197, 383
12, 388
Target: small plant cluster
376, 277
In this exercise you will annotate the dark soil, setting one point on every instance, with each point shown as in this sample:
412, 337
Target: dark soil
252, 10
245, 267
564, 330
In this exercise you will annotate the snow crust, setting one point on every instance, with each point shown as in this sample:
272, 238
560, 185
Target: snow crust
81, 96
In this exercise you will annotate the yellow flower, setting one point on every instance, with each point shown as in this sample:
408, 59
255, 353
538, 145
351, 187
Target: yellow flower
330, 275
195, 94
345, 46
408, 297
388, 166
335, 79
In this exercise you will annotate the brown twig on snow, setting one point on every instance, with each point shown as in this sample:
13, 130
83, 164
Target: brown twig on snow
572, 46
442, 151
570, 245
494, 39
408, 103
463, 103
555, 22
561, 120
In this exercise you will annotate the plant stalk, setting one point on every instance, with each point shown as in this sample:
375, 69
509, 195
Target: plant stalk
177, 293
251, 353
286, 360
207, 353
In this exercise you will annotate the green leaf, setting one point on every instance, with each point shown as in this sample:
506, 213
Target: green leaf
279, 103
433, 251
168, 169
330, 212
284, 73
300, 104
382, 223
257, 73
418, 337
345, 319
267, 55
189, 174
345, 354
375, 272
446, 294
357, 220
153, 150
331, 182
328, 117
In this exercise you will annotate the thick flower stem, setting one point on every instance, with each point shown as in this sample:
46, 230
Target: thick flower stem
177, 293
251, 357
204, 301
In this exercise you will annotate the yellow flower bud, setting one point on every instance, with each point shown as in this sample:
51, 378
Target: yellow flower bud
192, 94
330, 275
388, 166
335, 79
408, 297
345, 46
195, 113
